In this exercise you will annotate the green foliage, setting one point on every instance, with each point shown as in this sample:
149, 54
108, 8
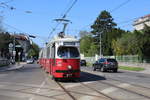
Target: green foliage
84, 33
115, 41
126, 45
34, 51
93, 50
145, 43
5, 39
85, 44
134, 43
104, 25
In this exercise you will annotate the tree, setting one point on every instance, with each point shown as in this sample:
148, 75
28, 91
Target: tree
145, 43
126, 45
84, 33
85, 44
5, 39
34, 51
92, 50
104, 25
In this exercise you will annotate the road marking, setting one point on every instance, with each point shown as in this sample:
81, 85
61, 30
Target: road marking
123, 85
72, 85
88, 82
86, 98
109, 90
76, 84
38, 89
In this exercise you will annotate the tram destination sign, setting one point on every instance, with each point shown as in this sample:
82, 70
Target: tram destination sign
69, 43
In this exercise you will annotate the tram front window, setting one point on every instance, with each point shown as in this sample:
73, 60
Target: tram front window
68, 52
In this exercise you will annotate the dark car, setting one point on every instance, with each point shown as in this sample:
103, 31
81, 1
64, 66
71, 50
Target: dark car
83, 62
105, 64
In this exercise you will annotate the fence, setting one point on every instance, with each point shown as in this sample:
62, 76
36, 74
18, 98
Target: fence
125, 58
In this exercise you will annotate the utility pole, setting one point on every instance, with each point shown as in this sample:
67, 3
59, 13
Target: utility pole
100, 51
14, 45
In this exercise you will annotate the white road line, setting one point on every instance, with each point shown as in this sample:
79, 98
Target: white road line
86, 98
38, 90
109, 90
89, 82
123, 85
72, 85
76, 84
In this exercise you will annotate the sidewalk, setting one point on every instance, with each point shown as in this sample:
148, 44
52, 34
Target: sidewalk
12, 67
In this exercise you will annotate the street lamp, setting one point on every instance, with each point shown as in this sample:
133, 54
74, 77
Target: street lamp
14, 51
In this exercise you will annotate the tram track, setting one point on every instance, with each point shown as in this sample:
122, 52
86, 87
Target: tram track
30, 93
105, 76
103, 96
128, 83
66, 91
123, 88
107, 97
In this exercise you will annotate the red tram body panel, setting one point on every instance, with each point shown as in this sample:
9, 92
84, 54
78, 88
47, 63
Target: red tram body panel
61, 58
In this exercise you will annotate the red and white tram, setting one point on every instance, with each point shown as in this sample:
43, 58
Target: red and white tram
61, 58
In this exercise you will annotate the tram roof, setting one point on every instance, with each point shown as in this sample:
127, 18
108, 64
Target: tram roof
65, 38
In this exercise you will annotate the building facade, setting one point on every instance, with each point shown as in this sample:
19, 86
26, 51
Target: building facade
141, 22
23, 47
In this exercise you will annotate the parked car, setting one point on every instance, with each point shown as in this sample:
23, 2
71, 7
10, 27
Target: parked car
30, 61
105, 64
83, 62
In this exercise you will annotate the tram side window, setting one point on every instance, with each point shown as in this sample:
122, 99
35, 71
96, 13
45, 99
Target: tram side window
48, 52
53, 52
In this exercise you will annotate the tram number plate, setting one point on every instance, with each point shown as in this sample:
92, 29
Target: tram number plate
69, 75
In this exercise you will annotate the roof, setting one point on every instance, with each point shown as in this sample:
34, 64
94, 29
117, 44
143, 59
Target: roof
143, 17
146, 16
21, 37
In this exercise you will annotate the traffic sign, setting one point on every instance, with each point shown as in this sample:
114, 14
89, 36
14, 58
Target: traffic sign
10, 45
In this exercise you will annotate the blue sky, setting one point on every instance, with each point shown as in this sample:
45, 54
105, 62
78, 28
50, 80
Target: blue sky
40, 21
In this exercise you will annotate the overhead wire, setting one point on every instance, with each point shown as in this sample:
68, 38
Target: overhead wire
63, 16
119, 6
111, 11
7, 1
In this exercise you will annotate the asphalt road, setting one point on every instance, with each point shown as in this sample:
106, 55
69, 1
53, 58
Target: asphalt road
32, 83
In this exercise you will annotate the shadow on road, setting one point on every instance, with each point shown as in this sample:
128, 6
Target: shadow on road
87, 77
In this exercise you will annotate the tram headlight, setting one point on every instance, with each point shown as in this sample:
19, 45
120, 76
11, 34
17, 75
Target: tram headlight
69, 67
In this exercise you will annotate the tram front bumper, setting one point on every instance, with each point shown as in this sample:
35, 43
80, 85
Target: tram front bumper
67, 73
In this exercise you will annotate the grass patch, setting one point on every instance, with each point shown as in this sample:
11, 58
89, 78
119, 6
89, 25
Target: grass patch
131, 68
89, 64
